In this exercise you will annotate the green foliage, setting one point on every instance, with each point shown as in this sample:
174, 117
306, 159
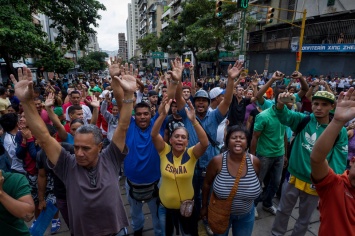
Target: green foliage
54, 60
93, 61
20, 37
100, 58
148, 44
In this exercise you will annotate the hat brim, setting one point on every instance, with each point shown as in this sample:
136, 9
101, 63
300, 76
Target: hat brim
323, 98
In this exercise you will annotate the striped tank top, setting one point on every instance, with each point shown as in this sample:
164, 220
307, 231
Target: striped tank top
248, 189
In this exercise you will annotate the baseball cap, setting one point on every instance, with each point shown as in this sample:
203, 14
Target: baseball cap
103, 94
215, 92
324, 95
96, 89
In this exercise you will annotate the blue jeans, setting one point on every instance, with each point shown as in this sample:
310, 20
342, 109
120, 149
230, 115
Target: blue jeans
272, 166
137, 213
197, 183
242, 225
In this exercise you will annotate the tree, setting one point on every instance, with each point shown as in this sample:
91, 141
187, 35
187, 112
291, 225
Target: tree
198, 29
100, 58
93, 61
20, 37
148, 44
54, 60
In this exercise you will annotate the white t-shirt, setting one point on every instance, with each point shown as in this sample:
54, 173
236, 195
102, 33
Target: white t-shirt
10, 146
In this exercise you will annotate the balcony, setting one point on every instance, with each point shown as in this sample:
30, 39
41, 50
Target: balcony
164, 25
166, 13
177, 11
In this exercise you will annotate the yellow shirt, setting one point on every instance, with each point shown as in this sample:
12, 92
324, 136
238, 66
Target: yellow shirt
303, 186
182, 168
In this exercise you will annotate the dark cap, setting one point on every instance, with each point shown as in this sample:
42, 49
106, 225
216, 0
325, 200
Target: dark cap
152, 93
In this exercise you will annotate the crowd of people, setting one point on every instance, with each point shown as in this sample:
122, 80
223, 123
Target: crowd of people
177, 141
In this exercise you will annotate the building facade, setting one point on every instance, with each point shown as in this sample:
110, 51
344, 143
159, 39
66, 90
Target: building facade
328, 43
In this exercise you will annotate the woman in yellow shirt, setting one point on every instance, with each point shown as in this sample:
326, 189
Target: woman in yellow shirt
177, 165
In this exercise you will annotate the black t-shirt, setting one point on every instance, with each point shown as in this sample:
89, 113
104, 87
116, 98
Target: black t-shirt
173, 123
42, 163
237, 110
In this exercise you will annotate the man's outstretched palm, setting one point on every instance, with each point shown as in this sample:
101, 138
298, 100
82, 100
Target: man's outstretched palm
24, 87
345, 109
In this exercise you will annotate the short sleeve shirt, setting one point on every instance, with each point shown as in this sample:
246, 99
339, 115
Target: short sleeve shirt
16, 186
94, 210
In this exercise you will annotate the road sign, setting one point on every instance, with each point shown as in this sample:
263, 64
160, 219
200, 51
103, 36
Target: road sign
158, 55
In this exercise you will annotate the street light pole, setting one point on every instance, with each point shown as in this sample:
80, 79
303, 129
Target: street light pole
299, 56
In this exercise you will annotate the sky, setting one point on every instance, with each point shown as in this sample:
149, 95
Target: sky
113, 21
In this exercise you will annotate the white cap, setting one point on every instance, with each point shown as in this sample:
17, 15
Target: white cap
103, 94
215, 92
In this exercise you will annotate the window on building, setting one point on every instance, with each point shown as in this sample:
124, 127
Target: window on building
331, 3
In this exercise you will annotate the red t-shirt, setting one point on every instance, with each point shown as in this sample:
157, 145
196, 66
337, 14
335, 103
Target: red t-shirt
337, 205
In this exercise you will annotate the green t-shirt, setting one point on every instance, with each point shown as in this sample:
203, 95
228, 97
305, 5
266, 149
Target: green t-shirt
16, 186
300, 162
271, 139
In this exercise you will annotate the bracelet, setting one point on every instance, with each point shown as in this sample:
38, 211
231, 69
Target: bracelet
127, 100
174, 82
195, 124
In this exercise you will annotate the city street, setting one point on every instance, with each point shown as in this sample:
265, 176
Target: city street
262, 225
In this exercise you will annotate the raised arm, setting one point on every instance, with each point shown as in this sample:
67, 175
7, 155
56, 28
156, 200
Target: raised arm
24, 92
157, 139
259, 96
95, 112
62, 133
128, 84
175, 86
303, 83
115, 70
193, 81
233, 72
345, 111
202, 145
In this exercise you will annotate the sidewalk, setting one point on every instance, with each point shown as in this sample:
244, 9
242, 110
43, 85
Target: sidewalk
262, 225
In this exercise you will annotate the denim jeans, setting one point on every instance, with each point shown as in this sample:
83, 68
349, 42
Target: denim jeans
242, 225
272, 166
190, 224
137, 213
197, 183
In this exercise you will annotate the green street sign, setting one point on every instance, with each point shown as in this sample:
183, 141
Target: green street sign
158, 55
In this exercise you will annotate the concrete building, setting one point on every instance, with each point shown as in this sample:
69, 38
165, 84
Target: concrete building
328, 43
132, 28
122, 46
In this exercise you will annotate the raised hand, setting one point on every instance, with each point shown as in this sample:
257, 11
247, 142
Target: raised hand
94, 102
191, 67
345, 106
26, 133
165, 106
24, 87
255, 81
296, 74
190, 112
176, 69
127, 81
234, 71
115, 67
49, 101
278, 75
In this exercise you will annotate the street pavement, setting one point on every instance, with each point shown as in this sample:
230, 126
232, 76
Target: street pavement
262, 226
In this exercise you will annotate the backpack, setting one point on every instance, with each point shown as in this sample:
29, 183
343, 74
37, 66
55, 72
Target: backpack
298, 130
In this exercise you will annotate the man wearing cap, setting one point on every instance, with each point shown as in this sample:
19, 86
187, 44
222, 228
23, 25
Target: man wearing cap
299, 184
209, 121
96, 91
217, 96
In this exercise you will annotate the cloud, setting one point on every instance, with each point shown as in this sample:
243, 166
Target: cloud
113, 21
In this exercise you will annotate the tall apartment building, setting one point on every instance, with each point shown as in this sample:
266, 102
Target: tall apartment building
132, 25
328, 43
122, 46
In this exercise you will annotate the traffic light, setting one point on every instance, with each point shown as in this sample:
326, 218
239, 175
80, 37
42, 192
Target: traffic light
270, 15
243, 4
219, 8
